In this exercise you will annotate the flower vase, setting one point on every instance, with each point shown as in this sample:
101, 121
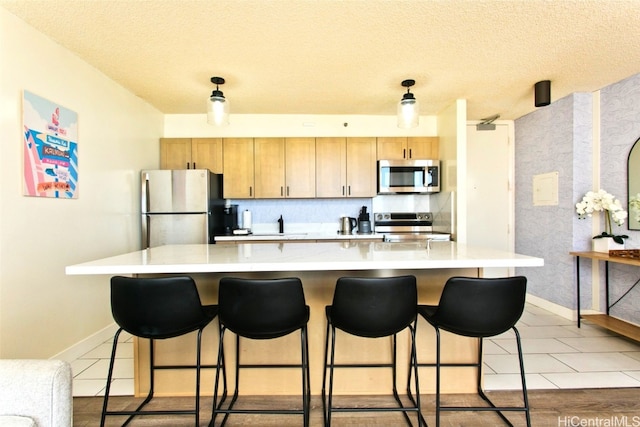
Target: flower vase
605, 244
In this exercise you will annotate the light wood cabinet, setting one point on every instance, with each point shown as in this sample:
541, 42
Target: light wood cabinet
346, 167
238, 168
191, 153
408, 148
361, 167
300, 167
269, 163
285, 168
175, 153
206, 153
331, 167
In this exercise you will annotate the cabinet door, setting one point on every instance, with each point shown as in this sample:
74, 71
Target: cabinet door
331, 167
238, 168
423, 147
392, 148
269, 160
300, 167
175, 153
361, 167
206, 153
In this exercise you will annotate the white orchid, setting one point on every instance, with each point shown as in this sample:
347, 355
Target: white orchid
601, 201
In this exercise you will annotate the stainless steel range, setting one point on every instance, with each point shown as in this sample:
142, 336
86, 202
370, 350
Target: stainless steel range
407, 226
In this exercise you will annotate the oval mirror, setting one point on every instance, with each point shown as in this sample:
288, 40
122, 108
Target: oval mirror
633, 186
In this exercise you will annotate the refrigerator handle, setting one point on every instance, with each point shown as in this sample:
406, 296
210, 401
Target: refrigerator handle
144, 194
146, 231
144, 206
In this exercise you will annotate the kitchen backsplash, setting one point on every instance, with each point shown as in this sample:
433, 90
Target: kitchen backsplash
326, 211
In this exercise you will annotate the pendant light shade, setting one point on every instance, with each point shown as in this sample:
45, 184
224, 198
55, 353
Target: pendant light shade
217, 105
408, 108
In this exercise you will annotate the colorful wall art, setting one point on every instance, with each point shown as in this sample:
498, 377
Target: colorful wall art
50, 148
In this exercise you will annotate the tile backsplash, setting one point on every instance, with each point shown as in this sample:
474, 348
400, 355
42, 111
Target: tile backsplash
325, 211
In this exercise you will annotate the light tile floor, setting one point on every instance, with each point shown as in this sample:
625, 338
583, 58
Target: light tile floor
558, 355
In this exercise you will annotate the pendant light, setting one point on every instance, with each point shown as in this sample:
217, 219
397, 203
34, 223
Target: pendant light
408, 108
217, 106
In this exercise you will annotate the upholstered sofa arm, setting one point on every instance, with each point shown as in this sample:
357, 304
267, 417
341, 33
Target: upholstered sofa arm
36, 389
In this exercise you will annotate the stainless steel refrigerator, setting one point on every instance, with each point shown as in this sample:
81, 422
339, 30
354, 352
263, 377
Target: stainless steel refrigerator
179, 206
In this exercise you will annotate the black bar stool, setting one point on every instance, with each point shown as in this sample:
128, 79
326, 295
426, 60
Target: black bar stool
262, 309
158, 308
371, 307
478, 308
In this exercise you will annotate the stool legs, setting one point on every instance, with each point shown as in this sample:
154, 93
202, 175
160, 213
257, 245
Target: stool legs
329, 363
478, 365
305, 380
152, 369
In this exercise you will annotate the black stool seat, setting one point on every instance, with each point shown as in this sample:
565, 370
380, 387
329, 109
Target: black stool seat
157, 308
371, 307
478, 308
262, 309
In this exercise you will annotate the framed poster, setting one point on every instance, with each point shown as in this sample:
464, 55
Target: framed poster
50, 139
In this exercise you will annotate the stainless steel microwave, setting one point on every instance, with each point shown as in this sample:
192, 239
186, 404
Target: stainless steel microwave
408, 176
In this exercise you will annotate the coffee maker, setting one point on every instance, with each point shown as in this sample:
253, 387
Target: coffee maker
364, 222
226, 220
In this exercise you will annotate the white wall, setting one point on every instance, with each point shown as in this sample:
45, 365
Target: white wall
453, 158
323, 213
43, 311
290, 125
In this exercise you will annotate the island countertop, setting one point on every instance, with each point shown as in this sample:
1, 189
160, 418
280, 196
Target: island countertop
316, 256
318, 265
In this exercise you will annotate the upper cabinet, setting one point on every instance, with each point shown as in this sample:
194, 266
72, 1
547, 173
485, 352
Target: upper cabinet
269, 164
346, 167
408, 148
285, 168
238, 168
300, 167
306, 167
331, 167
191, 153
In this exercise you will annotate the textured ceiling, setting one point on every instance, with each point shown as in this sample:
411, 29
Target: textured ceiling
347, 57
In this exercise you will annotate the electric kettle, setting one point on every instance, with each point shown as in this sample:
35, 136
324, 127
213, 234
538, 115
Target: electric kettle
347, 224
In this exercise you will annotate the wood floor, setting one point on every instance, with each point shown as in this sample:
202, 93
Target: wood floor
592, 407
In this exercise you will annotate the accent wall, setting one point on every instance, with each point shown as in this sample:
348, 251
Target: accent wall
586, 138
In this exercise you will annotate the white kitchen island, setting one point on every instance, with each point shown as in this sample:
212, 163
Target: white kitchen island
318, 265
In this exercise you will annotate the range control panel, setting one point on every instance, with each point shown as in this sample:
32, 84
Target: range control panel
404, 217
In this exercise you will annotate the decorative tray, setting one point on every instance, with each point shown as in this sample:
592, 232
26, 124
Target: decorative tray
625, 253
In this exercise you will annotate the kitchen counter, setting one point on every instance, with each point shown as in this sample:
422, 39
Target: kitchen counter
318, 265
315, 236
287, 256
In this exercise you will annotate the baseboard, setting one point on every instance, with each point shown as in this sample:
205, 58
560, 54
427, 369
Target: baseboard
556, 309
82, 347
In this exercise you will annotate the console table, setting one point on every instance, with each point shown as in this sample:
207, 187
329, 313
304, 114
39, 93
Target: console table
618, 326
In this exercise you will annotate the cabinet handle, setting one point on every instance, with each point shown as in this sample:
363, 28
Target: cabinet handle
281, 191
194, 165
404, 153
349, 192
343, 191
410, 155
187, 165
250, 191
287, 191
